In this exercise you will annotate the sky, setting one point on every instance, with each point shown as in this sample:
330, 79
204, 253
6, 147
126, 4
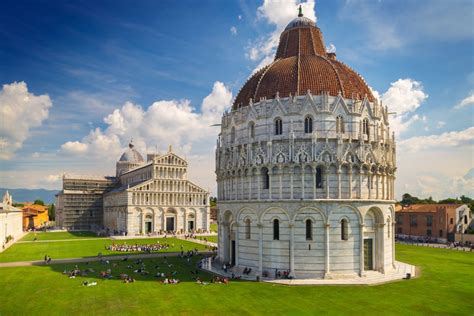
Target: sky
80, 79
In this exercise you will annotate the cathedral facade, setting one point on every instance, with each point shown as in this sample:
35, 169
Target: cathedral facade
145, 197
305, 167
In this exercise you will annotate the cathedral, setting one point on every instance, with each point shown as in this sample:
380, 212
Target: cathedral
305, 166
145, 197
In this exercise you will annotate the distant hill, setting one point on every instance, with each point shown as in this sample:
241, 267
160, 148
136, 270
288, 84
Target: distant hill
29, 195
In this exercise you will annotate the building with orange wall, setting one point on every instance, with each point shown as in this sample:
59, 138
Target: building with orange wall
35, 216
432, 221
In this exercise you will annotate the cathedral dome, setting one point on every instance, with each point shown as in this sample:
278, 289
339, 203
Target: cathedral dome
131, 155
301, 64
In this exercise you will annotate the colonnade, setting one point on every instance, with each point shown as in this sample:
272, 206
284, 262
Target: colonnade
246, 184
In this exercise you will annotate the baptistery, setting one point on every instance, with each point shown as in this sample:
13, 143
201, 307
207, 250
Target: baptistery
305, 166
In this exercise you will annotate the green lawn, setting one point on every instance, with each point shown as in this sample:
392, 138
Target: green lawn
213, 227
82, 248
445, 288
59, 235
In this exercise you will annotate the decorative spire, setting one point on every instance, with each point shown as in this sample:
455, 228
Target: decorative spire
130, 145
300, 11
170, 148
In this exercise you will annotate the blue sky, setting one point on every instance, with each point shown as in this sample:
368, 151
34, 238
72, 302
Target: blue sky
91, 57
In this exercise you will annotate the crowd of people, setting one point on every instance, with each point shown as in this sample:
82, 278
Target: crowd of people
138, 247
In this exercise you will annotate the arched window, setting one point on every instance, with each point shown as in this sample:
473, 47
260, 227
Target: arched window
339, 124
365, 127
309, 229
251, 130
247, 229
276, 229
232, 134
278, 126
308, 124
265, 178
344, 230
319, 178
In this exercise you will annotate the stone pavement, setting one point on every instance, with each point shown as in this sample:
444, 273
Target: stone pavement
95, 258
369, 278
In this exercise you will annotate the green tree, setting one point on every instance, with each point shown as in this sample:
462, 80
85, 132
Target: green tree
52, 212
213, 201
39, 202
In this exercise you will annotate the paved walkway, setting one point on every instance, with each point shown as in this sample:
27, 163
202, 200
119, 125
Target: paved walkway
95, 258
199, 241
60, 240
370, 277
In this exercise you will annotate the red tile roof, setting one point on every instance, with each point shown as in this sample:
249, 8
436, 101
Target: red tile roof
301, 64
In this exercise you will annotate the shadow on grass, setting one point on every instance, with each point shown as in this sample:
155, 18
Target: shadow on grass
140, 270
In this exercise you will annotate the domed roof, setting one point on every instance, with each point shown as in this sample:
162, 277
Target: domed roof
301, 64
131, 155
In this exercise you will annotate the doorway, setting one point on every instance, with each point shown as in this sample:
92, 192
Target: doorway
233, 252
169, 224
148, 227
368, 254
190, 225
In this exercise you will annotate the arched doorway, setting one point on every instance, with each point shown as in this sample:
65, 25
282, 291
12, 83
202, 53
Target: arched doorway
148, 223
170, 220
373, 240
191, 222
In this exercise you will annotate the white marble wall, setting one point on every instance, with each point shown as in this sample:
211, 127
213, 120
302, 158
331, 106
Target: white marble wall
325, 254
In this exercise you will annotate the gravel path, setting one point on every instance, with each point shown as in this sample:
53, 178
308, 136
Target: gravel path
95, 258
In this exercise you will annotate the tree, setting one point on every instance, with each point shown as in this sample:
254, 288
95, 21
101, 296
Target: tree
39, 202
52, 212
213, 201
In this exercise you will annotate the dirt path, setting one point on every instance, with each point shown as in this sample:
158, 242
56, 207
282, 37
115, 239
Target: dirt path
95, 258
59, 240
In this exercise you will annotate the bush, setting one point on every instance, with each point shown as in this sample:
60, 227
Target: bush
8, 238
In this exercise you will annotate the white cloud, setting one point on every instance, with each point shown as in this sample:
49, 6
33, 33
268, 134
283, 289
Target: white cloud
469, 100
440, 124
20, 111
164, 122
403, 97
331, 48
233, 30
278, 14
442, 141
53, 178
239, 17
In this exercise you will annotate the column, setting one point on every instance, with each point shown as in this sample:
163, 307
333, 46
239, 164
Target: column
302, 182
270, 179
339, 182
327, 182
361, 250
260, 249
249, 177
326, 250
242, 177
259, 172
292, 250
350, 181
360, 182
314, 182
377, 180
237, 243
369, 179
393, 243
281, 182
291, 183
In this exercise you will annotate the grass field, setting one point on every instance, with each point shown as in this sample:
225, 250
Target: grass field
213, 227
82, 248
445, 288
58, 235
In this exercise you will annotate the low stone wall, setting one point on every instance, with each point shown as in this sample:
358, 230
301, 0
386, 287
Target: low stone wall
464, 237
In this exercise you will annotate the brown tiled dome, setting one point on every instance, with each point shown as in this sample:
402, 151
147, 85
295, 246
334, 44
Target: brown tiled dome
301, 64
